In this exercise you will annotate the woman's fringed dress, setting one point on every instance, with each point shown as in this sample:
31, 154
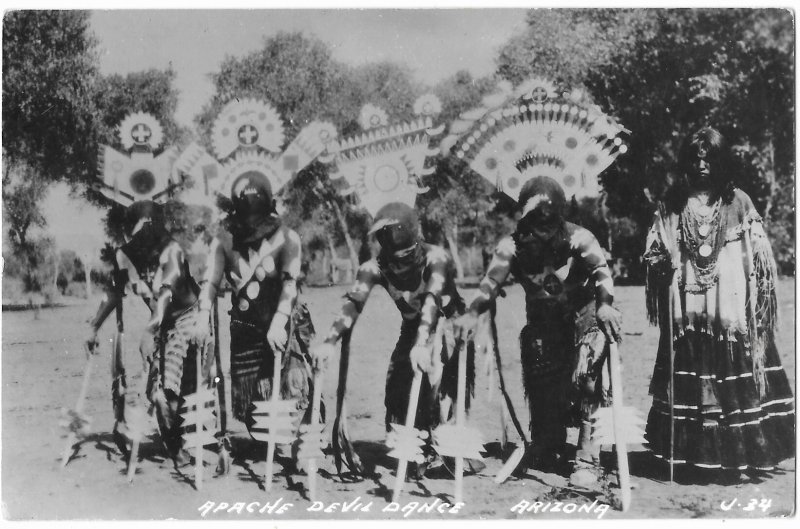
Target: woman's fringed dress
711, 273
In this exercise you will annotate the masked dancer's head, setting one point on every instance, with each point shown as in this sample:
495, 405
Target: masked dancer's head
542, 203
397, 230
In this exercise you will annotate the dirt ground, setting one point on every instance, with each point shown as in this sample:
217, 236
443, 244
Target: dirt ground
42, 367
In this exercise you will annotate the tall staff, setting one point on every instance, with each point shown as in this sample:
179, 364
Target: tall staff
708, 249
259, 256
540, 147
384, 166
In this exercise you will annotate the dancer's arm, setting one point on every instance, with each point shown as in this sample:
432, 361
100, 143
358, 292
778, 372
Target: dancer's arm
440, 265
209, 286
497, 273
166, 277
367, 277
112, 296
290, 261
585, 248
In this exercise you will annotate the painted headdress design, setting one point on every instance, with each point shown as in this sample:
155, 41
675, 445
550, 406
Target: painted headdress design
535, 131
137, 175
383, 164
249, 135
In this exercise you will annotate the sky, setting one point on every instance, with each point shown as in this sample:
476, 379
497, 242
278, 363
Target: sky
434, 43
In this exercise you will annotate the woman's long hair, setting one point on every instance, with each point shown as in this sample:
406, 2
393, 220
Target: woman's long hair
718, 156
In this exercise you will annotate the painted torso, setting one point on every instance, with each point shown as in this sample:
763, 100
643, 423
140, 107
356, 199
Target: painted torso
559, 276
168, 269
258, 273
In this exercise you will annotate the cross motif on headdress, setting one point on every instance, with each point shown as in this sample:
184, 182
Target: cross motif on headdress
533, 130
539, 94
136, 174
141, 133
248, 134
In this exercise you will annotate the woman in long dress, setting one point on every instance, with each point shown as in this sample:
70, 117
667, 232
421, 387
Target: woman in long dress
711, 276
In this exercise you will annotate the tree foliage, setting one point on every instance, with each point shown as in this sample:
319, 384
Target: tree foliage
22, 194
297, 75
150, 91
459, 207
565, 45
57, 110
661, 73
294, 73
665, 73
49, 70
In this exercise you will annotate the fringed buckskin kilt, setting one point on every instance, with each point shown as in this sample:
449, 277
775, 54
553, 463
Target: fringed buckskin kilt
564, 374
721, 421
173, 374
252, 362
400, 375
174, 369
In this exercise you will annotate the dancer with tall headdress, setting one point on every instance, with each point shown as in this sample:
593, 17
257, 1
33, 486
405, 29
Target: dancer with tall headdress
383, 167
152, 265
256, 252
534, 144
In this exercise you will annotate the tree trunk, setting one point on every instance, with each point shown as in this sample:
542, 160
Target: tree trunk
326, 267
55, 275
452, 243
87, 273
771, 179
347, 239
332, 264
603, 209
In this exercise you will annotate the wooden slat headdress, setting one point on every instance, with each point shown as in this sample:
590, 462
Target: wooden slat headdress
249, 135
137, 174
535, 131
384, 163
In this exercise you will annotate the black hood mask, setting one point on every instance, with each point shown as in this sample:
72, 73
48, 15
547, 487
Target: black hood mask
253, 216
542, 202
144, 247
402, 254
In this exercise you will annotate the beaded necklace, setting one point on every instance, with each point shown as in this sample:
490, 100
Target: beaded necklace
703, 227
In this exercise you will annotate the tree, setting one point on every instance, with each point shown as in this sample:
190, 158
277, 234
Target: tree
22, 194
458, 198
57, 109
565, 45
731, 69
665, 73
150, 91
49, 70
297, 75
388, 85
49, 67
292, 72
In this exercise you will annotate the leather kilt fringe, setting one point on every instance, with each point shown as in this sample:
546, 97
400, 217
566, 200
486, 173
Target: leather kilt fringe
252, 363
175, 369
